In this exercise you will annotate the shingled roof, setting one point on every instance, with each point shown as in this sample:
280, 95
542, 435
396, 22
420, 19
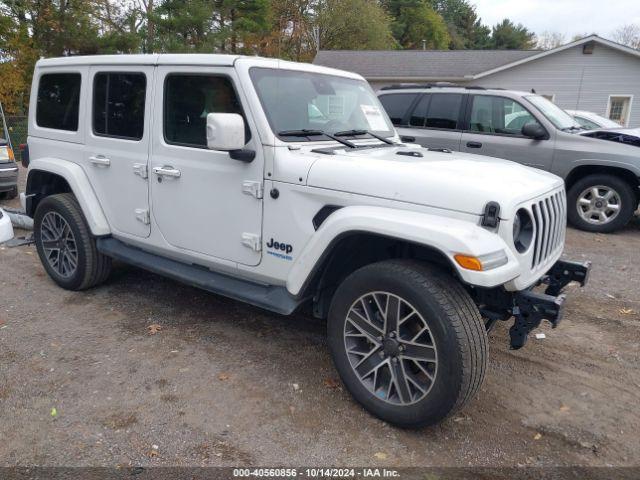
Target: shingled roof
419, 64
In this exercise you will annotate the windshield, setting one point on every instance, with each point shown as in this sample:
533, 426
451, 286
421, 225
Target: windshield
554, 113
295, 101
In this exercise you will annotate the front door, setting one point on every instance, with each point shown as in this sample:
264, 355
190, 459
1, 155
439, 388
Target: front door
203, 200
117, 144
494, 125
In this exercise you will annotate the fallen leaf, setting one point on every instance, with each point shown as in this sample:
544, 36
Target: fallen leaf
154, 328
626, 311
223, 376
54, 412
331, 383
564, 408
153, 453
380, 455
537, 436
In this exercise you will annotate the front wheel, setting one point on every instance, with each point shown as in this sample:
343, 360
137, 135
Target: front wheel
407, 341
601, 203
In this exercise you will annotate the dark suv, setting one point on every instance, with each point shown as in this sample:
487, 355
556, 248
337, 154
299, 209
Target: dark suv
601, 178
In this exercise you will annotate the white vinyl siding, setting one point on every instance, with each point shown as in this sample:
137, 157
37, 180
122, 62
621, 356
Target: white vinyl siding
578, 81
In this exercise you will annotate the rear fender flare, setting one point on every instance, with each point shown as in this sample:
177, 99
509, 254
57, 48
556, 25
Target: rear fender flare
77, 179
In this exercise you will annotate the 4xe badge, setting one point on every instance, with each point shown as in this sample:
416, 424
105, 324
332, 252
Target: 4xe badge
282, 250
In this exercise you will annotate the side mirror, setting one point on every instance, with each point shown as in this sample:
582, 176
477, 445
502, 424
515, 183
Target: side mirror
534, 130
225, 131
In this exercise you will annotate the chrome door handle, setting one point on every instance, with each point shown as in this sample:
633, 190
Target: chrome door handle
99, 160
166, 171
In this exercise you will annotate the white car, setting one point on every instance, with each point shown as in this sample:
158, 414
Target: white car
590, 120
284, 185
6, 229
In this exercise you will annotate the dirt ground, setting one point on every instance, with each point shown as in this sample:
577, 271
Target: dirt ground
222, 383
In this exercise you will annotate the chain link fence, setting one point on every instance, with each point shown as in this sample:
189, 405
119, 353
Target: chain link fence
17, 126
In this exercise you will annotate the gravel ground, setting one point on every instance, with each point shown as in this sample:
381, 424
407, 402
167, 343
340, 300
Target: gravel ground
222, 383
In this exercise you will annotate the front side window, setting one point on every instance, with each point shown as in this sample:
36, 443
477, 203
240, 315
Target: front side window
58, 102
118, 104
188, 99
296, 100
498, 115
553, 113
397, 105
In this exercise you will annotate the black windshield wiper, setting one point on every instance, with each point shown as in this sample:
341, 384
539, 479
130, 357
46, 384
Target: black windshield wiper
353, 133
311, 133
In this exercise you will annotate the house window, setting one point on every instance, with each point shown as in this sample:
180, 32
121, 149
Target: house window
619, 108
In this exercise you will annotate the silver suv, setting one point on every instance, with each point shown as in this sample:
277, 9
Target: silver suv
601, 178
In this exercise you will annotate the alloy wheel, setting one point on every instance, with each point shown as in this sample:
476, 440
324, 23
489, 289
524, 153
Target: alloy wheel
598, 204
59, 244
390, 348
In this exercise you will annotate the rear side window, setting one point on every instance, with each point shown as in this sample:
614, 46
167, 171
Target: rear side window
397, 105
58, 102
118, 104
444, 111
188, 99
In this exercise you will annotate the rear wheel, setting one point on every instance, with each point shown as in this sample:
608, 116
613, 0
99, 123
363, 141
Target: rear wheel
407, 341
66, 248
601, 203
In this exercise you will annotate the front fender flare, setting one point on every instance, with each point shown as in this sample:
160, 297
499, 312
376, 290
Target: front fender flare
81, 188
447, 235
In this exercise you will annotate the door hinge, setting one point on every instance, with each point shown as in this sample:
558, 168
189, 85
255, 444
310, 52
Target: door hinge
252, 241
142, 214
140, 169
253, 188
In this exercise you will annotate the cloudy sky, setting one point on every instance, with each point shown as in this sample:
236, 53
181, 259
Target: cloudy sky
570, 17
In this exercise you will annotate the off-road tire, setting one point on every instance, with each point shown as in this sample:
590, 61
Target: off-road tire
626, 193
93, 267
457, 328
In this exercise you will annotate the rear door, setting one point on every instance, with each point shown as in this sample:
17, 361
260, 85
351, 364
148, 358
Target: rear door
117, 144
436, 120
493, 127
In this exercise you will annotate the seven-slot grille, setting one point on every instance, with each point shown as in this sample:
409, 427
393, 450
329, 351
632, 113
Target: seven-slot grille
549, 220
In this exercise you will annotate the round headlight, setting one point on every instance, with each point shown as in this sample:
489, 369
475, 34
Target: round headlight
522, 230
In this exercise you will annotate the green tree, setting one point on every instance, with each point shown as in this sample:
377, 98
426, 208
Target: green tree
508, 36
465, 27
353, 24
416, 24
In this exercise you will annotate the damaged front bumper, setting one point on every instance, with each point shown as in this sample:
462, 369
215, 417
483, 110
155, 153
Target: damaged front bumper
528, 307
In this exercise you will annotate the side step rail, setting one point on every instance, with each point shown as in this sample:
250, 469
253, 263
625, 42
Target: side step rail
273, 298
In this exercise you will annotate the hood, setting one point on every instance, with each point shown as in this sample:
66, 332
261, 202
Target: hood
454, 181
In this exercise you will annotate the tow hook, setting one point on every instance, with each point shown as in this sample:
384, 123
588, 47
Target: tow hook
529, 309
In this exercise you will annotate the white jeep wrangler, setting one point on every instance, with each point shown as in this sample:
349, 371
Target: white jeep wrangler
285, 185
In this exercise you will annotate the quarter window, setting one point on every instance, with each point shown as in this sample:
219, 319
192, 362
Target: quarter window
498, 115
397, 105
58, 101
187, 102
118, 104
